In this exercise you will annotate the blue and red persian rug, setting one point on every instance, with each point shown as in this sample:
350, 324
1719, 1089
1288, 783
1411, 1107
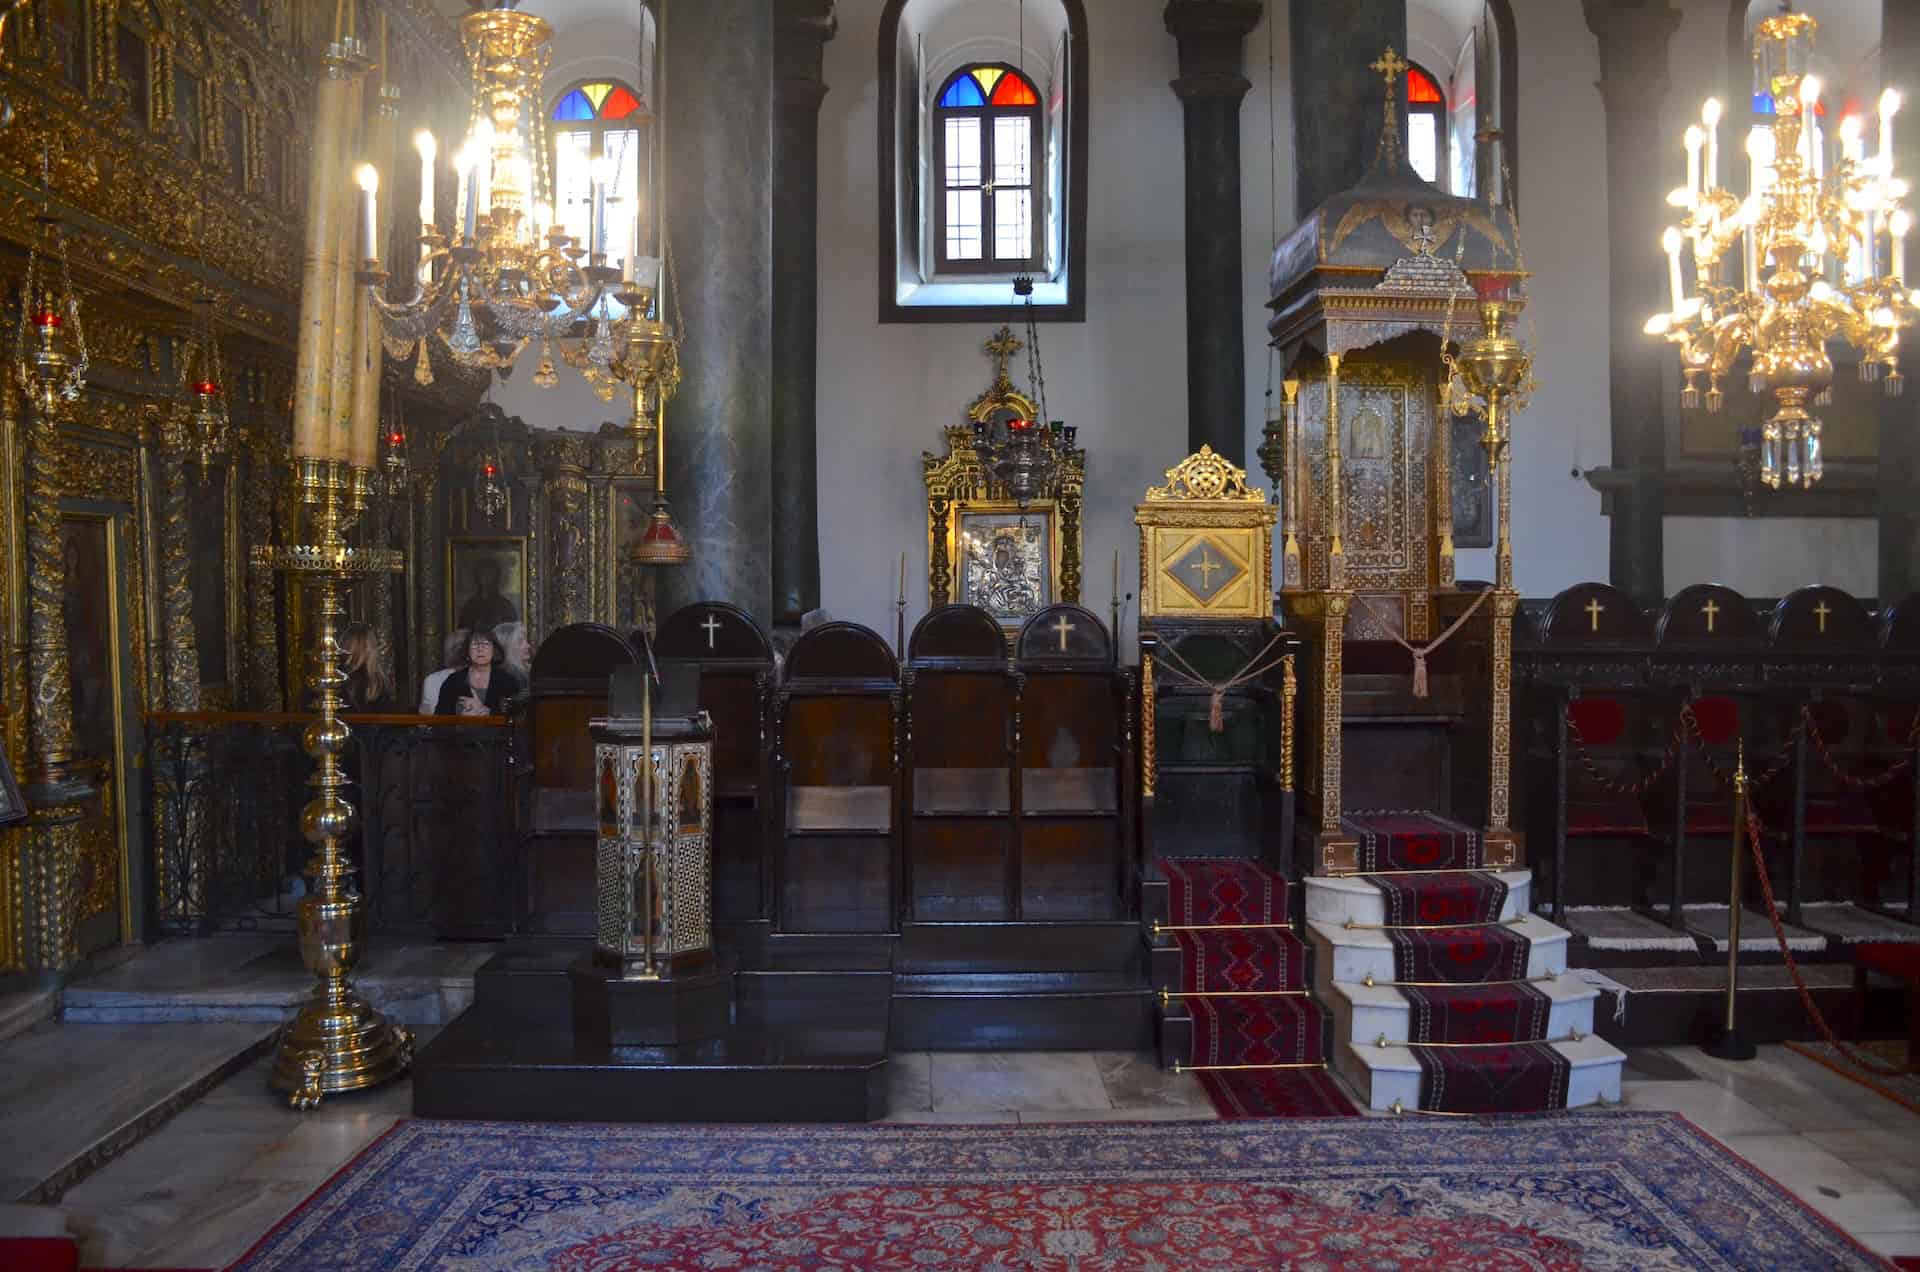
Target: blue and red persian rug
1620, 1191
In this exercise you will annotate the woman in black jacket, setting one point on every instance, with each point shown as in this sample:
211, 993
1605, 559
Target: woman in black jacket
483, 685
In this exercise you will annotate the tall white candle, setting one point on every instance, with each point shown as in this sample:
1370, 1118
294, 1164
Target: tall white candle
1809, 117
367, 177
600, 171
1710, 116
463, 189
1852, 146
1897, 226
1694, 140
483, 166
424, 143
470, 182
1889, 107
1671, 241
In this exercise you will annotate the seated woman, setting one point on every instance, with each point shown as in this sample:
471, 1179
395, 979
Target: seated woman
369, 687
483, 685
513, 639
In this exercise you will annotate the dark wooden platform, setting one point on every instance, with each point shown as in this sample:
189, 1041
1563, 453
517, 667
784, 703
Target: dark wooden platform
800, 1047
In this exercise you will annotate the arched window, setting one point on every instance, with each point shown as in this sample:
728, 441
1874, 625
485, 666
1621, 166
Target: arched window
600, 122
1426, 125
986, 130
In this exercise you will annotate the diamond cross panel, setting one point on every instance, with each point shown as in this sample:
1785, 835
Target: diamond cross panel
1205, 570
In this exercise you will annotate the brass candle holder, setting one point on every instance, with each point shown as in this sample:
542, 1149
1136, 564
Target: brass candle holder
337, 1042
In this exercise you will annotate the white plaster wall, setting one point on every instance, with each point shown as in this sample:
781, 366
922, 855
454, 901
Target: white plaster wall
887, 391
1771, 556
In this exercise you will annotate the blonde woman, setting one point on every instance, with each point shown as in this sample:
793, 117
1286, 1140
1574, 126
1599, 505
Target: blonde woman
369, 687
513, 639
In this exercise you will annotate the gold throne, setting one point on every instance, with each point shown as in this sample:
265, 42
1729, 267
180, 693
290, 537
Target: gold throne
1366, 294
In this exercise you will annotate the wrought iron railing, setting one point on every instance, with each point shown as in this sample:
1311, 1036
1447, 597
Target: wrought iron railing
435, 852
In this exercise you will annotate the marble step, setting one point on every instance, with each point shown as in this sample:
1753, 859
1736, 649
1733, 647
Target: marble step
1363, 1013
1353, 954
1383, 1076
1335, 900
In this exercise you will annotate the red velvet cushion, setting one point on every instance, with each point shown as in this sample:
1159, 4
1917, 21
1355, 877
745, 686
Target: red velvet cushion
1831, 721
1598, 721
1604, 814
1894, 959
1898, 723
1840, 812
1717, 718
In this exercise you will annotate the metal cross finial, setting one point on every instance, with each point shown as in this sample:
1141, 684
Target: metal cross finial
1003, 346
1390, 64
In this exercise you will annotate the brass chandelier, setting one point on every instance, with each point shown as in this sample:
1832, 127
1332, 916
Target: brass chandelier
503, 272
1820, 251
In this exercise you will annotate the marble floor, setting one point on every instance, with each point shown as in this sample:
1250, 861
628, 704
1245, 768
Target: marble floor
202, 1188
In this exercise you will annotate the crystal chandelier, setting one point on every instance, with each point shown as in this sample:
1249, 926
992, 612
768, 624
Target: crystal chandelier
1023, 457
504, 272
1821, 255
50, 371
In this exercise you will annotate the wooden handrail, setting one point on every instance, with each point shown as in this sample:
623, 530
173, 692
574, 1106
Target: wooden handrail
307, 717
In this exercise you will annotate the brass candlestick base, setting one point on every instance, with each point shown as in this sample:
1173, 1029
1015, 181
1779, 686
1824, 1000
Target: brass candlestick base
337, 1042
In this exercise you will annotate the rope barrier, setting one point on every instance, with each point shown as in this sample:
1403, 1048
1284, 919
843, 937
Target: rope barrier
1859, 783
1217, 693
1848, 1052
1633, 789
1420, 653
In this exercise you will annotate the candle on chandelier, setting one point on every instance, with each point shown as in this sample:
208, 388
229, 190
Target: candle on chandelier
1671, 241
1809, 103
1694, 139
602, 174
367, 177
483, 139
1852, 147
469, 196
1889, 107
423, 143
1710, 116
1897, 226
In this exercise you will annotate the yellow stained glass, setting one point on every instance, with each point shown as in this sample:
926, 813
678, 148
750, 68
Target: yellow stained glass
986, 75
596, 93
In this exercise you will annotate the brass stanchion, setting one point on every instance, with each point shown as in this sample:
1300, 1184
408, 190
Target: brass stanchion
1728, 1044
337, 1042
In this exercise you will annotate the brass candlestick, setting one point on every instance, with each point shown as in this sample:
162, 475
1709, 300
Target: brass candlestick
337, 1042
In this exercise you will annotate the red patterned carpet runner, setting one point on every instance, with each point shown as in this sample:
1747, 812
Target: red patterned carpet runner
1237, 1017
1526, 1077
1223, 890
1450, 954
1252, 959
1477, 1013
1412, 841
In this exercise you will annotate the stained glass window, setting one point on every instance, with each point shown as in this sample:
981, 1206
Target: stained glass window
1426, 124
987, 138
600, 121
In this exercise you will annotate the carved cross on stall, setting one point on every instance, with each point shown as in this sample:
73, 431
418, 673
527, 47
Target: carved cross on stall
1594, 610
710, 627
1062, 626
1711, 609
1820, 612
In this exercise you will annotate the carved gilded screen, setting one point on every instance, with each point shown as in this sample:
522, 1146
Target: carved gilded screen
1386, 432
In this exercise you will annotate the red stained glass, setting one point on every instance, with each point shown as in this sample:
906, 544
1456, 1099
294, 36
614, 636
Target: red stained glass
619, 104
1013, 91
1421, 89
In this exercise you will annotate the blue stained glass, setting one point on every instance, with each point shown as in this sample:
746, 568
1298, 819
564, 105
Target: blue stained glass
574, 106
1763, 103
963, 92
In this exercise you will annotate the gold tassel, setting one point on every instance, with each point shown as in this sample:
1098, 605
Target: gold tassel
1419, 674
423, 369
1217, 711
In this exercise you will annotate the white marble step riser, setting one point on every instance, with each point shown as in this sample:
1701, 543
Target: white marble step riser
1356, 962
1365, 1023
1338, 904
1378, 1090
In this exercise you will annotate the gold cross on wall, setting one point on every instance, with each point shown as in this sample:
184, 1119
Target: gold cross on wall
1710, 609
1205, 567
1062, 626
1389, 66
1820, 612
1003, 346
1594, 610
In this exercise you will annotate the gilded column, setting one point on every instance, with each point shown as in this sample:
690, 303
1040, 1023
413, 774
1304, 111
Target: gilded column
180, 658
263, 629
58, 794
13, 926
800, 32
1211, 35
